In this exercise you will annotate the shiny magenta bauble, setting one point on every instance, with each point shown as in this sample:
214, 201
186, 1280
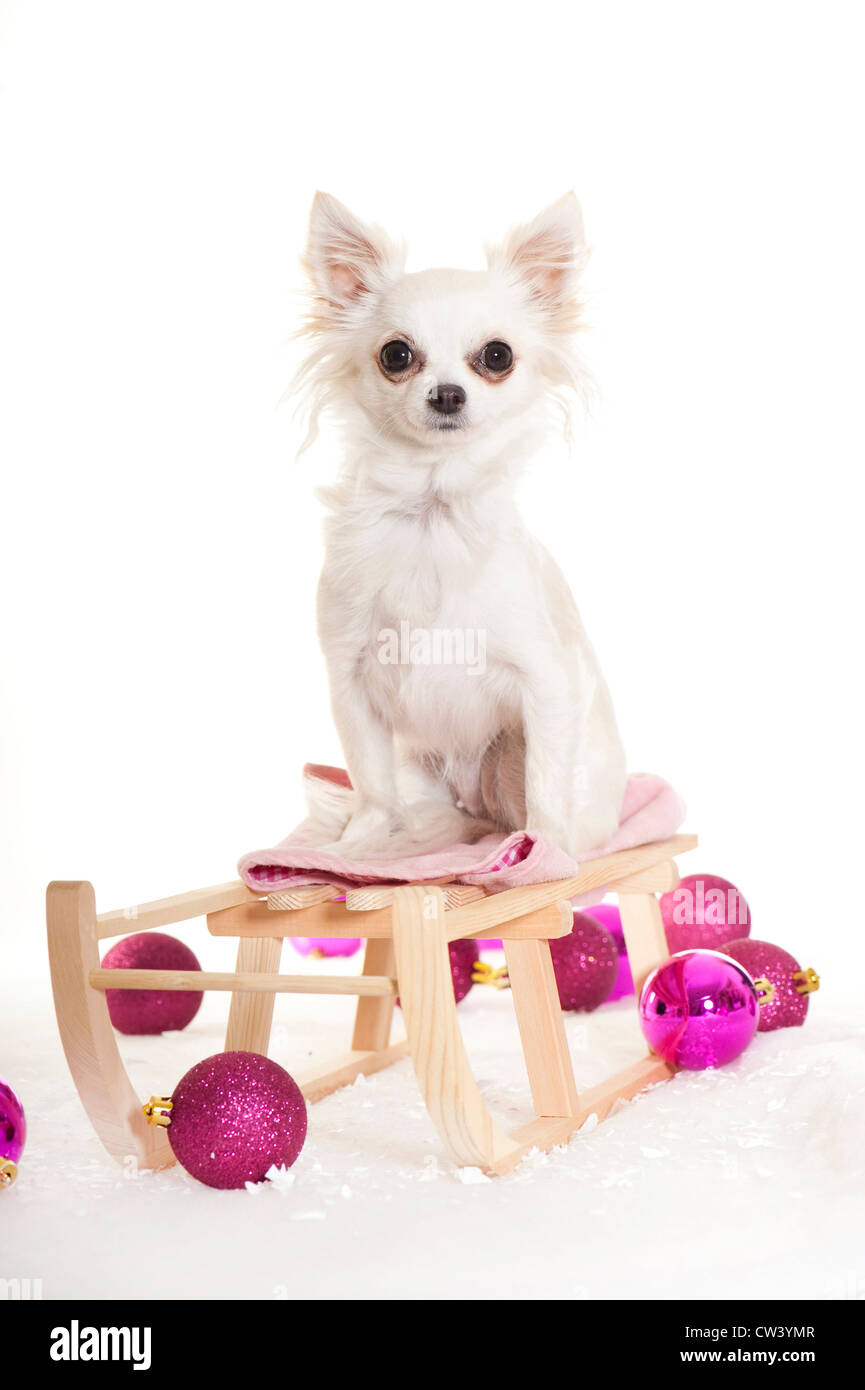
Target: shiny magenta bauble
699, 1009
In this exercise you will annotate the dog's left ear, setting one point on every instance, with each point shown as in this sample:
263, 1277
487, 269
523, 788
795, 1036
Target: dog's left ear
547, 256
347, 259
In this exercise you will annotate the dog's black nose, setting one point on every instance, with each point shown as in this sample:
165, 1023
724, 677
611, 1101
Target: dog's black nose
448, 399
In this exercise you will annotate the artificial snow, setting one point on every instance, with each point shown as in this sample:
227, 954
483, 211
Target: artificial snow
744, 1182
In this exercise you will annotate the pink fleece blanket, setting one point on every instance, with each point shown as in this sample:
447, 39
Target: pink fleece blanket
651, 810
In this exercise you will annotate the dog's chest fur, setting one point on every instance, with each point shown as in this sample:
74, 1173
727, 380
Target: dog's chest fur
414, 578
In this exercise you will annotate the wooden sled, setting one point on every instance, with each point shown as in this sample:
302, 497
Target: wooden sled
407, 931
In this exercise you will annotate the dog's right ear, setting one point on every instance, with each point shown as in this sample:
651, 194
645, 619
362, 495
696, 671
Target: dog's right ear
346, 259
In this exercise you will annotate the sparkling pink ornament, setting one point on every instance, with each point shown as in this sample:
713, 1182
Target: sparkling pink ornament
326, 945
704, 911
791, 984
463, 956
611, 920
151, 1010
586, 964
13, 1133
699, 1009
234, 1116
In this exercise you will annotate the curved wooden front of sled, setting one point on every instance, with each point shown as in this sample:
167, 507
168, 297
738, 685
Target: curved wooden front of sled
87, 1034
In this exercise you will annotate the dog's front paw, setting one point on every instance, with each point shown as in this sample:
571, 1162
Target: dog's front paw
368, 833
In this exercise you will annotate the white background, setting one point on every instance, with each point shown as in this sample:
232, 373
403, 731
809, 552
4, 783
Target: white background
161, 681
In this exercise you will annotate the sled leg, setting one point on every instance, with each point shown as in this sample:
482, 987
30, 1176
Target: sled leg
374, 1016
251, 1015
542, 1027
435, 1042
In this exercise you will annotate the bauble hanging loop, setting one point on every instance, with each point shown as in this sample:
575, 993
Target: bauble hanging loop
157, 1110
793, 986
485, 974
765, 990
809, 981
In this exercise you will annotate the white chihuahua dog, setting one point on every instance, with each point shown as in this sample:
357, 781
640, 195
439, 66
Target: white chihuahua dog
443, 383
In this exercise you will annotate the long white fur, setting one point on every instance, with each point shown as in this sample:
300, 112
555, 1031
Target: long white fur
422, 528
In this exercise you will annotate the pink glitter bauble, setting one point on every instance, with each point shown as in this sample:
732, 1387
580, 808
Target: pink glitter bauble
586, 964
326, 945
699, 1009
235, 1115
13, 1133
611, 920
463, 956
704, 912
763, 960
151, 1010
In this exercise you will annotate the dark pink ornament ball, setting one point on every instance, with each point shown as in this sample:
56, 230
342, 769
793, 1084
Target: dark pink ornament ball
151, 1010
586, 964
235, 1115
611, 920
763, 960
464, 955
704, 912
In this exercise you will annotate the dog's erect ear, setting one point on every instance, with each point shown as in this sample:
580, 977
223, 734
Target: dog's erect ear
547, 255
346, 259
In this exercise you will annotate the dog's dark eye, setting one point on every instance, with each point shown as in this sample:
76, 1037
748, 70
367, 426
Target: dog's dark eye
395, 356
497, 357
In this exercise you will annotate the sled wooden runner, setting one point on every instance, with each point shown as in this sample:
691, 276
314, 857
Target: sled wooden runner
407, 931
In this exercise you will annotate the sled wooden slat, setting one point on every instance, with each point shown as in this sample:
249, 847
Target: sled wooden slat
161, 913
331, 919
194, 980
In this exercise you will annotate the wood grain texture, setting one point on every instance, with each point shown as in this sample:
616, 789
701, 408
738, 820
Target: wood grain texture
374, 1017
548, 1133
368, 899
87, 1035
124, 921
331, 919
542, 1027
661, 878
296, 899
251, 1015
595, 873
435, 1043
324, 919
645, 939
328, 1076
222, 981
